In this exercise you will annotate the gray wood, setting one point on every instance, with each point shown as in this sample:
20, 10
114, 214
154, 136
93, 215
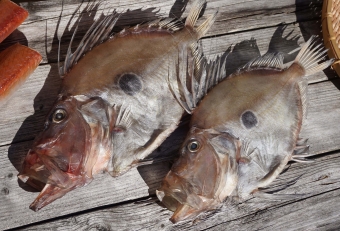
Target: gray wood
318, 208
248, 29
104, 190
234, 17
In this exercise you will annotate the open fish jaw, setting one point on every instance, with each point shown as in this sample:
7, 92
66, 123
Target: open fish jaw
254, 117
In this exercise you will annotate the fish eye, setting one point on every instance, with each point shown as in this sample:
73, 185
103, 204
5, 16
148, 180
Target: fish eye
59, 115
193, 146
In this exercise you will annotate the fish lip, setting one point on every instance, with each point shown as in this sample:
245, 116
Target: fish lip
48, 194
184, 212
182, 209
31, 173
26, 176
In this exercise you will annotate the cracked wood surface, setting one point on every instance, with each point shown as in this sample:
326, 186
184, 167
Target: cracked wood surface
251, 28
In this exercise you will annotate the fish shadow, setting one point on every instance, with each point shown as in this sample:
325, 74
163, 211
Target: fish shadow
242, 53
163, 157
44, 100
15, 37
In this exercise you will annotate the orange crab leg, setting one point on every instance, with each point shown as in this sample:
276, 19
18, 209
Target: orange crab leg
11, 16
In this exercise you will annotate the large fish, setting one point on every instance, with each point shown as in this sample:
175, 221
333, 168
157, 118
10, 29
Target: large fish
242, 133
115, 105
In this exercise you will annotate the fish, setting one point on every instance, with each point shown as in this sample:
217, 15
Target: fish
115, 105
242, 132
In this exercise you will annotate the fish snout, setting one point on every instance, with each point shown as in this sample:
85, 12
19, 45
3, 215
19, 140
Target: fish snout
33, 170
177, 195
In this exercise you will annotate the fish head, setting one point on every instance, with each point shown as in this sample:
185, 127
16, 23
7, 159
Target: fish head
203, 176
57, 156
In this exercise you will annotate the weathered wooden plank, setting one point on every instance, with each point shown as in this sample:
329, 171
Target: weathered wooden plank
40, 10
234, 16
318, 209
237, 23
315, 213
324, 136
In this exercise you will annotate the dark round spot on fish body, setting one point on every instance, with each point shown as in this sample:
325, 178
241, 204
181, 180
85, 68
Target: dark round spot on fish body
249, 119
130, 83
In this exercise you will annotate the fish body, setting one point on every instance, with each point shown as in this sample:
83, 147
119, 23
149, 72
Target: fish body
115, 105
243, 133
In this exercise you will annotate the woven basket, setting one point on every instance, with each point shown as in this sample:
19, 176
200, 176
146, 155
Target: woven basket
331, 30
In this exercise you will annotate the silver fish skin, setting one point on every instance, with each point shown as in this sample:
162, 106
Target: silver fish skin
115, 105
243, 133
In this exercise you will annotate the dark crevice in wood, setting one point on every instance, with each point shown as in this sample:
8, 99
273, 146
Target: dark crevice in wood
255, 29
276, 206
138, 200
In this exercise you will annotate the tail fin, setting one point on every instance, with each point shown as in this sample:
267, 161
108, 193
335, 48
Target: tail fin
310, 55
193, 16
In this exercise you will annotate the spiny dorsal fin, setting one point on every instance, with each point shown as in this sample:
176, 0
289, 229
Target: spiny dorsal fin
172, 24
310, 55
99, 32
207, 75
267, 61
194, 13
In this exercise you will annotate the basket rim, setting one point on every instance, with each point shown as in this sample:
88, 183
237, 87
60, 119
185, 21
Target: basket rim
328, 32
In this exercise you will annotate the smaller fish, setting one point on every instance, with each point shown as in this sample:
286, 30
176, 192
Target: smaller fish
243, 132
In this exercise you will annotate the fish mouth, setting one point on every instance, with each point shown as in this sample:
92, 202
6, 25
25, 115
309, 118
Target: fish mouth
183, 210
48, 194
34, 172
181, 200
51, 181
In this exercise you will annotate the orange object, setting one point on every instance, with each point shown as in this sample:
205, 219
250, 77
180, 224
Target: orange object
11, 16
16, 63
331, 30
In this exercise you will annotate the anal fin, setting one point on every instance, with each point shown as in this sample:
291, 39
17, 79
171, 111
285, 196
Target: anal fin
301, 152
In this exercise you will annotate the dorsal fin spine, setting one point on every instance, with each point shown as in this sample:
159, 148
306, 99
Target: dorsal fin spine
310, 56
268, 60
194, 13
96, 34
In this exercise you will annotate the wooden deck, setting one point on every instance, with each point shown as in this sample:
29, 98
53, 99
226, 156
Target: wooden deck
250, 28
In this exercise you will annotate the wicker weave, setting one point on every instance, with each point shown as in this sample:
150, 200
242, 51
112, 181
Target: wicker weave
331, 30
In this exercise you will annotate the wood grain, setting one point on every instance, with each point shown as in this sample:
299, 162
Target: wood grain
243, 30
104, 190
317, 209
